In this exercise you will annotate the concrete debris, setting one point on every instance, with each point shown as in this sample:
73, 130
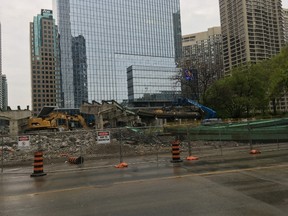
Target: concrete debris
77, 143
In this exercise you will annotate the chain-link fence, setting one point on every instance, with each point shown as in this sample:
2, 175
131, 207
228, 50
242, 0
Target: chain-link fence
122, 143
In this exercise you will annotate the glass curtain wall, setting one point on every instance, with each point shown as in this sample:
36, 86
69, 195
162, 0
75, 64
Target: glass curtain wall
117, 34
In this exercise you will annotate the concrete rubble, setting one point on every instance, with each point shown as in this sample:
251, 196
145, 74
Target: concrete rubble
58, 146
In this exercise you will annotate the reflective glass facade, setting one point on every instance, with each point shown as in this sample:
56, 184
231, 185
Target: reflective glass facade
79, 70
118, 34
148, 83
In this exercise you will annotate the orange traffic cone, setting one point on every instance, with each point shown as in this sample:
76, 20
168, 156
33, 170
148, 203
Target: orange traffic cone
121, 165
176, 151
255, 151
191, 158
38, 165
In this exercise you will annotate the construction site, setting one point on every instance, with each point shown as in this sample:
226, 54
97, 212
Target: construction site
62, 133
183, 117
103, 146
108, 114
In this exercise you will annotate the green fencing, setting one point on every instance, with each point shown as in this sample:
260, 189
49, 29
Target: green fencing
272, 130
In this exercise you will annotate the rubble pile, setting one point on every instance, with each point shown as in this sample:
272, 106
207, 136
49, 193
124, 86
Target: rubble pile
58, 145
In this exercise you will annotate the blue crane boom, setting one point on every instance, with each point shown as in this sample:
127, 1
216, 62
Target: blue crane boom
209, 113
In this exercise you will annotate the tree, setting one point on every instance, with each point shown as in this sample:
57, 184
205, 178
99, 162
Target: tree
204, 75
247, 91
219, 96
278, 80
243, 93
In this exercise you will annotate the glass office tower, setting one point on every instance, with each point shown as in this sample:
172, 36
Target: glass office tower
118, 34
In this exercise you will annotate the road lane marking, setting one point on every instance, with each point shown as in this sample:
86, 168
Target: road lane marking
15, 197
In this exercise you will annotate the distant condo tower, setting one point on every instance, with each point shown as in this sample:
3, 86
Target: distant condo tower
202, 55
251, 30
118, 49
45, 62
3, 82
286, 25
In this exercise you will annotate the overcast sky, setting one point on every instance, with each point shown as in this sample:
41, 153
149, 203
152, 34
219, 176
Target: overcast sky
15, 16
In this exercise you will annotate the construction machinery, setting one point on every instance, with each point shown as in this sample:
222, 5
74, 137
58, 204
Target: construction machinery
56, 121
109, 114
207, 112
182, 108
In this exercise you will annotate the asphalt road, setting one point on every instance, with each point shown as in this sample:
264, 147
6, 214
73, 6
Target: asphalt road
237, 185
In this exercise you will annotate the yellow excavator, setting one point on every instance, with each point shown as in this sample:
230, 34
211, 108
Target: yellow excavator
56, 121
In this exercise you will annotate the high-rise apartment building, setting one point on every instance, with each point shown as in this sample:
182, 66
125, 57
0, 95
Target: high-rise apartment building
285, 14
3, 92
252, 30
282, 103
45, 62
3, 82
202, 55
118, 36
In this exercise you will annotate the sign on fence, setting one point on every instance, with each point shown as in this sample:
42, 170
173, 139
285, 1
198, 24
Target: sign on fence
103, 137
23, 142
